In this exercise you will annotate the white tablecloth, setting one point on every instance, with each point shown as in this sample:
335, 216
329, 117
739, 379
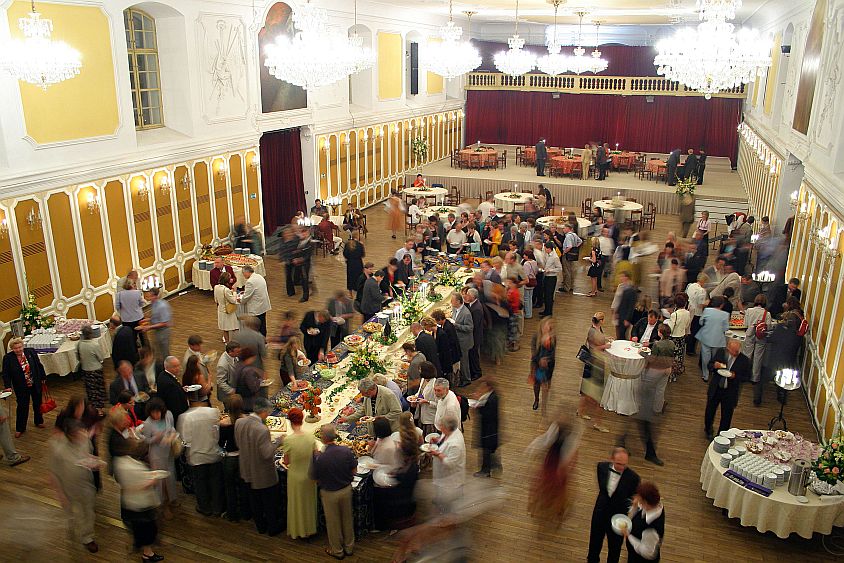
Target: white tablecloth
620, 212
582, 224
506, 203
64, 360
442, 210
779, 513
336, 219
438, 193
625, 364
202, 278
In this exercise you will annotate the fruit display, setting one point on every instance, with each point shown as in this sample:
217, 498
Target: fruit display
223, 250
239, 260
737, 320
372, 327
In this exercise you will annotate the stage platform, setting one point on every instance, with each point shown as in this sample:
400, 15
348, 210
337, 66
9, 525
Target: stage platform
721, 191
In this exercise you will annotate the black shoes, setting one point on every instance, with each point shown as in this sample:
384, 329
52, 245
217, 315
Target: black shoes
153, 557
655, 460
535, 405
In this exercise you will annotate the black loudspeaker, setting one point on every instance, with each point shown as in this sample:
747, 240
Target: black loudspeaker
414, 68
786, 49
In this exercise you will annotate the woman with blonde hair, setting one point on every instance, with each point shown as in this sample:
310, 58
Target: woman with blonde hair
592, 381
596, 265
542, 360
226, 300
291, 354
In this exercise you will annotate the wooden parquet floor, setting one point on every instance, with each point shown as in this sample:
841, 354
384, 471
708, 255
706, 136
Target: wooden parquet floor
33, 525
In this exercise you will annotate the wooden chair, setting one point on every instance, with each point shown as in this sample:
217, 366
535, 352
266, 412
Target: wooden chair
649, 217
502, 159
661, 172
556, 169
636, 218
519, 156
475, 161
576, 169
488, 195
409, 224
453, 197
586, 208
453, 159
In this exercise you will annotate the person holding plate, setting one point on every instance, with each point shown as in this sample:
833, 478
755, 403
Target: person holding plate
316, 330
449, 463
729, 368
648, 518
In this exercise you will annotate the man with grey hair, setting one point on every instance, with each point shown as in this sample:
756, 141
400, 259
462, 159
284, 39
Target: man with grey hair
377, 401
449, 470
160, 322
225, 370
169, 387
476, 309
447, 403
249, 337
257, 467
465, 328
730, 368
333, 470
256, 298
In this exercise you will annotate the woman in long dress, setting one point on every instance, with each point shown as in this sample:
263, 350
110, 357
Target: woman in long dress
301, 490
592, 381
353, 252
91, 363
542, 361
549, 498
395, 208
160, 433
680, 323
225, 297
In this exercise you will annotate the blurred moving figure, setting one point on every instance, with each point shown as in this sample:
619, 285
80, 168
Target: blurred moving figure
556, 450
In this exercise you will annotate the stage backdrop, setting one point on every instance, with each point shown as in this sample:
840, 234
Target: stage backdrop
282, 184
572, 120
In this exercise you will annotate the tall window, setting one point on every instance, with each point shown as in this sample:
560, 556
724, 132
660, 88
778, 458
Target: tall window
143, 69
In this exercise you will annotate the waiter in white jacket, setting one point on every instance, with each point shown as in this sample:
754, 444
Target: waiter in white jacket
449, 464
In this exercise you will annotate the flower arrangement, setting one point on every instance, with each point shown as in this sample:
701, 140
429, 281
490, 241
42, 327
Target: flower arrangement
829, 466
31, 317
432, 294
685, 186
412, 308
448, 278
386, 339
311, 401
419, 148
364, 362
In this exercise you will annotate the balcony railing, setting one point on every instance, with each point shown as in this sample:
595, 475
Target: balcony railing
592, 84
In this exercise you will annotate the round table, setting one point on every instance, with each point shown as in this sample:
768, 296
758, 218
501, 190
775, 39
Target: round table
780, 513
624, 365
616, 157
565, 163
509, 203
559, 220
442, 210
653, 166
473, 158
619, 212
426, 192
65, 360
530, 153
202, 278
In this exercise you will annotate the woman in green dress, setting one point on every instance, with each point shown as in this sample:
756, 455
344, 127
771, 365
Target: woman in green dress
301, 490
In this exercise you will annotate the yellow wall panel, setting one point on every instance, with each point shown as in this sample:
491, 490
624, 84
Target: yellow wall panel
253, 189
103, 306
221, 201
141, 217
203, 203
390, 57
164, 219
64, 243
86, 105
183, 209
188, 269
771, 82
34, 253
236, 167
171, 278
10, 299
79, 311
93, 239
121, 251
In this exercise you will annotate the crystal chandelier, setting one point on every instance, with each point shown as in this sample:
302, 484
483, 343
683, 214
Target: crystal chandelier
450, 57
580, 62
553, 63
598, 64
712, 57
38, 59
360, 56
315, 56
515, 61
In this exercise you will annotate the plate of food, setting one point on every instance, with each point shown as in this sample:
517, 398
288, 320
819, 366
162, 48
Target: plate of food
276, 423
725, 373
353, 340
413, 399
192, 388
331, 358
433, 436
621, 523
266, 383
304, 362
367, 463
159, 474
5, 394
645, 350
428, 448
637, 344
366, 419
298, 385
141, 397
313, 331
372, 327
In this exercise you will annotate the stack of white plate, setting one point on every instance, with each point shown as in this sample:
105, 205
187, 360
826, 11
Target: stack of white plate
721, 444
769, 480
725, 460
780, 475
728, 434
741, 450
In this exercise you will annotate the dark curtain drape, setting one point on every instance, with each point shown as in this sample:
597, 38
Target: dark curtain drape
282, 186
572, 120
624, 60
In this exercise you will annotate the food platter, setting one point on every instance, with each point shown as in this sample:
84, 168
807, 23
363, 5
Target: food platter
353, 340
620, 523
299, 385
192, 388
371, 327
304, 362
428, 448
276, 424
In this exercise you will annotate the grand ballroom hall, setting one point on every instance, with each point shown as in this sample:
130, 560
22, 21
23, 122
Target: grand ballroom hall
422, 280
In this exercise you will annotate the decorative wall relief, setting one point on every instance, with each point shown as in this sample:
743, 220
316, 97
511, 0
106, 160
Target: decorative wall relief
223, 75
826, 123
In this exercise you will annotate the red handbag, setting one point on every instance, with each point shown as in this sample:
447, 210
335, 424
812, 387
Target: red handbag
48, 403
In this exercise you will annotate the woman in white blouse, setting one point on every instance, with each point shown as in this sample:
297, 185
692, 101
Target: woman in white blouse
680, 322
226, 300
426, 405
752, 347
648, 516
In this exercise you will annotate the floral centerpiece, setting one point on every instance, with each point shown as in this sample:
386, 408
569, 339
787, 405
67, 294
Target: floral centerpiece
386, 339
419, 148
685, 186
31, 317
412, 308
828, 468
365, 362
311, 400
514, 195
448, 278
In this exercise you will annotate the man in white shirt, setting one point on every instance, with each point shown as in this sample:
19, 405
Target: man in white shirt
455, 240
449, 471
447, 402
256, 298
698, 298
552, 269
199, 428
225, 370
487, 208
409, 244
607, 249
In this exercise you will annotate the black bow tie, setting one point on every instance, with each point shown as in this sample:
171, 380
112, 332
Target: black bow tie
614, 471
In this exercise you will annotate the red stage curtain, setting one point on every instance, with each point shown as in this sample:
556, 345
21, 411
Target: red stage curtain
624, 60
282, 186
521, 118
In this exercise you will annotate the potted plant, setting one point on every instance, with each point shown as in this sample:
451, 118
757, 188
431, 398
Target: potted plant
419, 148
311, 401
828, 469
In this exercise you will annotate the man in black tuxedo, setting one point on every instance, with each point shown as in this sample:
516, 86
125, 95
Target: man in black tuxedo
690, 167
426, 344
616, 486
724, 391
600, 161
541, 156
169, 386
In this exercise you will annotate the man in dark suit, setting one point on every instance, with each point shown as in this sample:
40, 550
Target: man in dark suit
723, 390
701, 166
126, 380
124, 342
626, 296
690, 166
616, 486
600, 161
541, 157
671, 167
778, 295
487, 408
448, 347
479, 322
646, 330
371, 297
169, 387
426, 344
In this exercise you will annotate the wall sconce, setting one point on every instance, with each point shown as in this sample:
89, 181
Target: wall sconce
333, 203
164, 185
222, 168
33, 219
150, 282
828, 242
803, 214
256, 162
4, 229
185, 181
93, 202
792, 201
143, 190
